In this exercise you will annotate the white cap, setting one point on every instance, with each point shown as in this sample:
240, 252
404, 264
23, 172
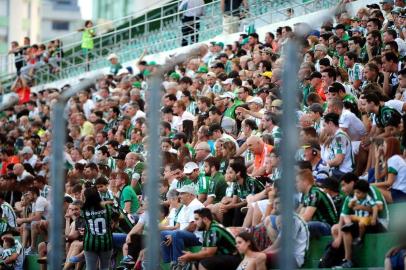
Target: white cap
227, 95
256, 100
228, 81
187, 189
122, 71
112, 56
190, 167
168, 85
211, 74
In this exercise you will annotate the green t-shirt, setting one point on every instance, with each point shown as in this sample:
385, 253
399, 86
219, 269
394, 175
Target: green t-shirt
203, 184
250, 186
114, 68
128, 195
387, 117
325, 208
87, 39
218, 236
230, 112
217, 187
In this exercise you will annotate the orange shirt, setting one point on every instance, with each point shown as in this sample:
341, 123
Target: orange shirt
259, 159
4, 164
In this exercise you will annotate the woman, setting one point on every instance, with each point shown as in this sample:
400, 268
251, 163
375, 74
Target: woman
253, 259
87, 40
98, 240
228, 150
394, 187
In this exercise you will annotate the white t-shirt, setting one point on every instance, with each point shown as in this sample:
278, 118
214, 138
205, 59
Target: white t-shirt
187, 214
341, 144
41, 205
397, 166
395, 104
355, 127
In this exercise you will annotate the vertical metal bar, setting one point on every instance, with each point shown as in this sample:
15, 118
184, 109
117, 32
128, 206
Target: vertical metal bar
58, 185
153, 169
288, 150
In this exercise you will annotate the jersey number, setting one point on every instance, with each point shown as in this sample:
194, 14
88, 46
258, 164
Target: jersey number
97, 226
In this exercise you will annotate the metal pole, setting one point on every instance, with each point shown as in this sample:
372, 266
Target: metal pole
154, 151
57, 173
288, 150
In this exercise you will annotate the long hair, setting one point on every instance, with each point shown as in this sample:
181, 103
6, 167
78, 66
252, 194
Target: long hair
92, 198
247, 237
392, 147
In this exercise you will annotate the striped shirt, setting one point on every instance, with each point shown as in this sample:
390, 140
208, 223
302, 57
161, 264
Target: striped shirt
9, 214
98, 233
325, 210
356, 73
367, 201
218, 236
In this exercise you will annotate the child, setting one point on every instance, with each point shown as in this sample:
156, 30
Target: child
102, 185
9, 254
364, 207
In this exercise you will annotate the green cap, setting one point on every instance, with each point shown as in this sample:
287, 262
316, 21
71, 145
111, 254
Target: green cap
202, 69
221, 44
137, 85
356, 19
147, 72
244, 41
151, 63
174, 75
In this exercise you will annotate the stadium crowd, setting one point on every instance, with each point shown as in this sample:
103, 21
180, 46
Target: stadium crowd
220, 141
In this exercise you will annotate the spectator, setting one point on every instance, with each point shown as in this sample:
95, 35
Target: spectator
192, 10
231, 11
87, 40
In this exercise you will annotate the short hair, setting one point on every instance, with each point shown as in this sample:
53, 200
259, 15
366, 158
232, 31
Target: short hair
372, 97
326, 36
213, 162
251, 123
402, 72
204, 213
352, 56
304, 165
349, 177
306, 175
167, 109
324, 62
330, 72
254, 35
362, 186
342, 43
376, 34
34, 190
338, 103
101, 181
171, 97
391, 57
392, 33
186, 80
206, 100
333, 118
166, 125
270, 116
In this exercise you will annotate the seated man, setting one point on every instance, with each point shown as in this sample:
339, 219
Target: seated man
219, 251
318, 208
175, 241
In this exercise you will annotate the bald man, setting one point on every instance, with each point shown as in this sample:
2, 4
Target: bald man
134, 168
20, 172
260, 150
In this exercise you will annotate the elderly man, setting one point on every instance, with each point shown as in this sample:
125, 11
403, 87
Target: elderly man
260, 150
20, 172
28, 156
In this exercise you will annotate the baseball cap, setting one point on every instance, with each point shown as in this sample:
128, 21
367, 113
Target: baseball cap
256, 100
122, 71
227, 95
174, 75
151, 63
317, 108
356, 19
314, 74
267, 74
179, 135
312, 145
211, 74
228, 81
244, 41
221, 44
137, 85
387, 2
373, 6
221, 55
26, 150
190, 167
112, 56
202, 69
187, 189
277, 103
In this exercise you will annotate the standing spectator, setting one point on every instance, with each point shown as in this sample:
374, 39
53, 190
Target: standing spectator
115, 65
192, 10
231, 11
18, 56
98, 232
87, 41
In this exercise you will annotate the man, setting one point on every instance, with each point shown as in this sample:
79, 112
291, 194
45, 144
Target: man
20, 172
133, 110
316, 83
320, 52
355, 70
318, 208
174, 242
372, 46
260, 150
312, 154
134, 168
218, 250
349, 122
180, 140
231, 14
216, 132
115, 65
128, 198
38, 218
179, 109
193, 177
217, 186
390, 65
341, 49
328, 77
270, 125
387, 119
340, 156
191, 10
86, 128
28, 156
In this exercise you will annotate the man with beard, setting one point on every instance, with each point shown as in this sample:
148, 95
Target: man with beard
218, 250
180, 140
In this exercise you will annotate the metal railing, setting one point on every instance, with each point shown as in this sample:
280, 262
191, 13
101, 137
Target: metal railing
163, 34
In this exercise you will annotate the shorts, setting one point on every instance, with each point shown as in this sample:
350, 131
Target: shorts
398, 260
397, 195
223, 262
366, 221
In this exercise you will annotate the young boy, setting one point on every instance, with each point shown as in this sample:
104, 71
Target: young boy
364, 207
11, 255
102, 185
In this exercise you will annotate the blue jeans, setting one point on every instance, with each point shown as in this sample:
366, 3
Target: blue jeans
318, 228
119, 240
93, 257
180, 240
